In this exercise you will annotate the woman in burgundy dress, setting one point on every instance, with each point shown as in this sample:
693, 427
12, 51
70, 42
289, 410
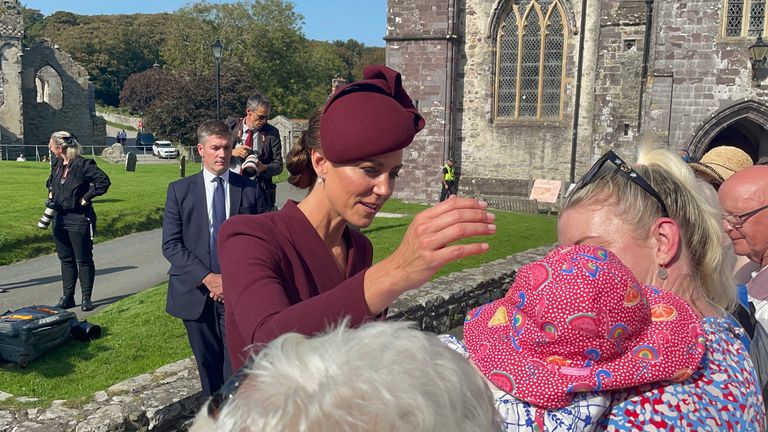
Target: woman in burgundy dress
303, 268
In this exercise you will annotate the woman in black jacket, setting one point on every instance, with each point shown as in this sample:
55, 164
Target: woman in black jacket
73, 183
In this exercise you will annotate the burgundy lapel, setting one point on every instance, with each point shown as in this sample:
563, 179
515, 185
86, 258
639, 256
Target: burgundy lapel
310, 247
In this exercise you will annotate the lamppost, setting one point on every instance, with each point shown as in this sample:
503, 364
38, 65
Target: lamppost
216, 47
757, 56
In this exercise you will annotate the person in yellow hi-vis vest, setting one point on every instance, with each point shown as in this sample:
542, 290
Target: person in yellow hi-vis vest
449, 180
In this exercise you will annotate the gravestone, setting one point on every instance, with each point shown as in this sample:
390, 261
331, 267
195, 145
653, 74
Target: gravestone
130, 162
182, 166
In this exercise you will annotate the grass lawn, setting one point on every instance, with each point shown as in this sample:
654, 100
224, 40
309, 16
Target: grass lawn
133, 203
138, 336
514, 233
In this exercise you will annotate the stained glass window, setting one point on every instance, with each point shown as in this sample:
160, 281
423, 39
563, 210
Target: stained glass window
530, 60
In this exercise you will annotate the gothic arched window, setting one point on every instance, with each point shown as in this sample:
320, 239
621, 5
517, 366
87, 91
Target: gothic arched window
530, 61
744, 18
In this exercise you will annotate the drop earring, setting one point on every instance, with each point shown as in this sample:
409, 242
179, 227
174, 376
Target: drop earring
662, 272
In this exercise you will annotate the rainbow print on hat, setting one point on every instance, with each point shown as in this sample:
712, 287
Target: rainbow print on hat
579, 321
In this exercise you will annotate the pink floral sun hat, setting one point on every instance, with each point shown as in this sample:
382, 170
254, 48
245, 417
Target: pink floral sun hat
579, 321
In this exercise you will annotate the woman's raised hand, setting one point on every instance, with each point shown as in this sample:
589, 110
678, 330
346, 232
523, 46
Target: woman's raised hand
427, 246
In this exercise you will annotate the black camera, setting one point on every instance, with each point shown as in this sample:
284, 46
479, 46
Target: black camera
48, 214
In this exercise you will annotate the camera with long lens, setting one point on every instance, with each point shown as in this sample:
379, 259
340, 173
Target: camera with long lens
249, 166
48, 214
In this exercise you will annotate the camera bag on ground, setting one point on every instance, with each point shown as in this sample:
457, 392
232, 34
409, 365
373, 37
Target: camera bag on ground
30, 332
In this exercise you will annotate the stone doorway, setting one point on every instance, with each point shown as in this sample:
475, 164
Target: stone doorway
743, 125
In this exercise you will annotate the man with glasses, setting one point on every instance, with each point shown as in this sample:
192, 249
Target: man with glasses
744, 199
257, 151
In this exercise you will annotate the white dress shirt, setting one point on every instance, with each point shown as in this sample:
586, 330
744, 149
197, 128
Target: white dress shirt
761, 306
210, 186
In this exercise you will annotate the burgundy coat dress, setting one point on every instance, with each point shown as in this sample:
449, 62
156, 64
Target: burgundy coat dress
279, 277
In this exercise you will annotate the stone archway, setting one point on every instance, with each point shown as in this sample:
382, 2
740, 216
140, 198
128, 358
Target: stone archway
743, 124
49, 90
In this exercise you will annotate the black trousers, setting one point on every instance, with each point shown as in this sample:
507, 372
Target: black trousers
445, 192
208, 340
73, 236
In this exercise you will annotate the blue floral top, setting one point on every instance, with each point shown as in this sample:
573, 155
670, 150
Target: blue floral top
722, 395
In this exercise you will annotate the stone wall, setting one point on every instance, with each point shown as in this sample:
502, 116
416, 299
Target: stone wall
619, 74
455, 92
42, 90
697, 73
120, 119
498, 151
699, 91
11, 31
290, 131
165, 399
419, 45
440, 305
76, 114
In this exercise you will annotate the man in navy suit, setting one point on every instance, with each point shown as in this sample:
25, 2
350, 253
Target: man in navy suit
195, 207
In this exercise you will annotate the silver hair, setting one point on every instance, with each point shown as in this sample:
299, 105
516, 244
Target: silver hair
257, 100
382, 376
68, 142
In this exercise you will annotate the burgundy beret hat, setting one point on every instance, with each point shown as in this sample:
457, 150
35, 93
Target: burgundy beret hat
369, 117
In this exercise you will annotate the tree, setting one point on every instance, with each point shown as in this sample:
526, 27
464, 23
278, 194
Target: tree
263, 36
368, 56
187, 97
33, 23
141, 89
263, 46
109, 47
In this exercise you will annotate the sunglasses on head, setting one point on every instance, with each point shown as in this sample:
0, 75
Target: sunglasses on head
611, 160
69, 140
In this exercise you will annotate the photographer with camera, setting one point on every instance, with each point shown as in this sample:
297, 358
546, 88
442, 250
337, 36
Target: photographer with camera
73, 183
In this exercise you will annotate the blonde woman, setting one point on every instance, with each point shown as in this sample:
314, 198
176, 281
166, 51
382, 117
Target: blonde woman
72, 185
655, 217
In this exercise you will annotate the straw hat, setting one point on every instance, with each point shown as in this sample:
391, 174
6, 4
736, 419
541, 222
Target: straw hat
720, 163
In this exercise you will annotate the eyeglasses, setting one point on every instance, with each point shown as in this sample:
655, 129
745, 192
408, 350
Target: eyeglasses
626, 171
225, 393
738, 221
259, 117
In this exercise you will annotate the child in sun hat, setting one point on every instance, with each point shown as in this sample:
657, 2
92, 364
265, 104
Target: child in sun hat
578, 343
